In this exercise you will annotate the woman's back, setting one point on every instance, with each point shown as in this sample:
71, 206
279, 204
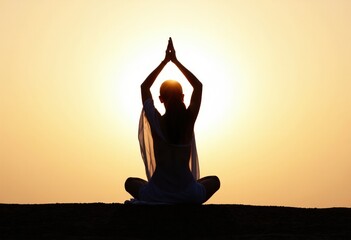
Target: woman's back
172, 171
177, 127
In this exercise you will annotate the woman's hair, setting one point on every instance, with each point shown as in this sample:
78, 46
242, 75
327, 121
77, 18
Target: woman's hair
175, 118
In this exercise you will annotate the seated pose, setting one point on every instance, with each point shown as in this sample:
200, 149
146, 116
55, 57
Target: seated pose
167, 143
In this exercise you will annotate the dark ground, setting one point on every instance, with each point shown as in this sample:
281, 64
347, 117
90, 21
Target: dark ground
119, 221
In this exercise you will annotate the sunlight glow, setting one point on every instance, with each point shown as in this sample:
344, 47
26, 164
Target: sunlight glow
221, 102
274, 122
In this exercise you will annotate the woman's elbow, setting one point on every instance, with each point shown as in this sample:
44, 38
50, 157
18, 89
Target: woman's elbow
198, 86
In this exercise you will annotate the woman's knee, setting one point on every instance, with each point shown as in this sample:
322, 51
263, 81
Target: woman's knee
133, 183
130, 183
213, 183
127, 183
216, 181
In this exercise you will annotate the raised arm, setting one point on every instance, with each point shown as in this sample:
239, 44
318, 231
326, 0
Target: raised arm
195, 101
146, 85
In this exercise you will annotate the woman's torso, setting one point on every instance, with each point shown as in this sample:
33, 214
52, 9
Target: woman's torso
172, 173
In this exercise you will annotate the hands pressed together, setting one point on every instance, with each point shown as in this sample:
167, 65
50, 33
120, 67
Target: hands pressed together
170, 52
195, 100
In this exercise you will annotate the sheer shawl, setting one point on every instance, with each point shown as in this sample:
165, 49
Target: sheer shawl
147, 147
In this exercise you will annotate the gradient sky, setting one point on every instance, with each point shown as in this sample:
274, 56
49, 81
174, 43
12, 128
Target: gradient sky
275, 119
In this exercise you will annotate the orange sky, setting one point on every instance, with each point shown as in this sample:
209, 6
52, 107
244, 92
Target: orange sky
275, 120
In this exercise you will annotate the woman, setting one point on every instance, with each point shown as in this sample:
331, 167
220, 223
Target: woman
168, 144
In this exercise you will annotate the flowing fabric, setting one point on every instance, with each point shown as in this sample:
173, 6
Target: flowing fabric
147, 148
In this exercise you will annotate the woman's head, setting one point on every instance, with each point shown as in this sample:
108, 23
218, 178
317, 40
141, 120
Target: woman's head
171, 91
175, 118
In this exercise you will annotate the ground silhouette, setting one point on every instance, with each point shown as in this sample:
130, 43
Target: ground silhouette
120, 221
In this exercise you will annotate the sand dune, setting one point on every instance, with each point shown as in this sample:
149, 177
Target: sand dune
119, 221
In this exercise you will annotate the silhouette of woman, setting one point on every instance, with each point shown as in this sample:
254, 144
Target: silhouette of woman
167, 143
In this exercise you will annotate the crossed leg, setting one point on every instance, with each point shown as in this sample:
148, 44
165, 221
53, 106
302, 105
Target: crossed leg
133, 185
211, 184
